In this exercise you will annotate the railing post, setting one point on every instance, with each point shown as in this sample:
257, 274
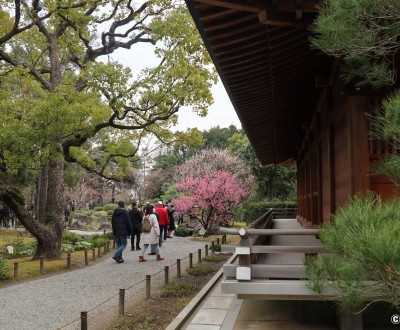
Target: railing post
105, 248
121, 302
84, 324
148, 284
93, 254
166, 273
206, 250
15, 269
41, 265
217, 240
98, 252
199, 256
190, 260
178, 268
69, 261
113, 244
244, 260
86, 258
212, 247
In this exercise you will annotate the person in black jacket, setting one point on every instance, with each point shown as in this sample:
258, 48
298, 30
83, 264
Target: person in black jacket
122, 228
136, 219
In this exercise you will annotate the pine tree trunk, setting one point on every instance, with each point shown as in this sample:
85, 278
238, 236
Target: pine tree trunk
48, 233
41, 195
49, 240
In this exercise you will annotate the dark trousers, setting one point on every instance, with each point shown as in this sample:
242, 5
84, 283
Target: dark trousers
163, 233
136, 233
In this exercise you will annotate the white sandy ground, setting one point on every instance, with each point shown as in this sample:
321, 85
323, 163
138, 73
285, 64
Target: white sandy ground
53, 301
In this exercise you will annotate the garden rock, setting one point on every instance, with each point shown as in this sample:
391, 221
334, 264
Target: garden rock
78, 226
105, 226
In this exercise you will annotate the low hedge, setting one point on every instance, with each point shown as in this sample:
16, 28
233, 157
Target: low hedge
253, 210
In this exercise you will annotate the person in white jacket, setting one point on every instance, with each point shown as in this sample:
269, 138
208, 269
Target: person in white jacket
151, 237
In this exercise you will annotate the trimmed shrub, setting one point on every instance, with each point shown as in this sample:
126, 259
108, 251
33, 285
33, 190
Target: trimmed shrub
110, 207
200, 270
177, 290
70, 238
3, 270
98, 208
98, 240
251, 211
214, 258
217, 247
181, 231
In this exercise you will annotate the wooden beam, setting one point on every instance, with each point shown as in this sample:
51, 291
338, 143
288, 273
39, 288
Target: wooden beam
234, 41
247, 45
252, 7
269, 271
229, 23
211, 15
288, 249
278, 19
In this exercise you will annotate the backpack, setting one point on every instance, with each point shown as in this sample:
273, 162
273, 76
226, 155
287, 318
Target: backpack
146, 225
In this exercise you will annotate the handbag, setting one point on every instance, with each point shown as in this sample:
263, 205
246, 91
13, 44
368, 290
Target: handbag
146, 225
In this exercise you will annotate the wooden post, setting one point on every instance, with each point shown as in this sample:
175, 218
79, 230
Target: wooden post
113, 244
93, 254
41, 265
86, 258
148, 283
105, 249
206, 250
84, 321
224, 239
212, 247
98, 252
69, 261
217, 240
166, 273
199, 255
108, 246
178, 268
121, 302
15, 269
190, 260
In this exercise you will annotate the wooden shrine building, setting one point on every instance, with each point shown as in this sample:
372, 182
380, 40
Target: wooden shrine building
291, 101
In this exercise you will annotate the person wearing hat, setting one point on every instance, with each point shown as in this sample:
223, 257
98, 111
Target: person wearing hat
163, 220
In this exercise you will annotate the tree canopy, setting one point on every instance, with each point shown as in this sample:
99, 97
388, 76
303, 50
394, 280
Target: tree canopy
60, 97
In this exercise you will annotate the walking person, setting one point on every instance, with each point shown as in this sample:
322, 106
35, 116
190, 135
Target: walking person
136, 217
152, 237
163, 221
122, 228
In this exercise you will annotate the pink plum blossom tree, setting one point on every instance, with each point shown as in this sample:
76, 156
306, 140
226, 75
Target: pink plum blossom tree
209, 198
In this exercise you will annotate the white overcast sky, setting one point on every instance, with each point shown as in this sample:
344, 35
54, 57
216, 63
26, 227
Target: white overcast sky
221, 113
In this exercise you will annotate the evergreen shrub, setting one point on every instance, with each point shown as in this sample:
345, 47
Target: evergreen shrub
251, 211
181, 231
3, 270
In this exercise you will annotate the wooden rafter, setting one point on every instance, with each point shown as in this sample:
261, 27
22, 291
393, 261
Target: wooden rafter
252, 7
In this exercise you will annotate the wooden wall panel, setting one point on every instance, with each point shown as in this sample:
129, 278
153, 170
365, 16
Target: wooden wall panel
342, 165
326, 173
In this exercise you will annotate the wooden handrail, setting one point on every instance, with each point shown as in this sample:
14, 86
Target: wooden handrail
269, 232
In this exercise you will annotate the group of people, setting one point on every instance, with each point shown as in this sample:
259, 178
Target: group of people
129, 223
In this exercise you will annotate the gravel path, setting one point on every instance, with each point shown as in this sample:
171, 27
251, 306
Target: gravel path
54, 301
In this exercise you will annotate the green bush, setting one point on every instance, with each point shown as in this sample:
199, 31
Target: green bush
200, 270
251, 211
3, 270
70, 238
110, 207
98, 240
98, 208
217, 247
177, 290
67, 248
23, 250
181, 231
214, 258
82, 245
